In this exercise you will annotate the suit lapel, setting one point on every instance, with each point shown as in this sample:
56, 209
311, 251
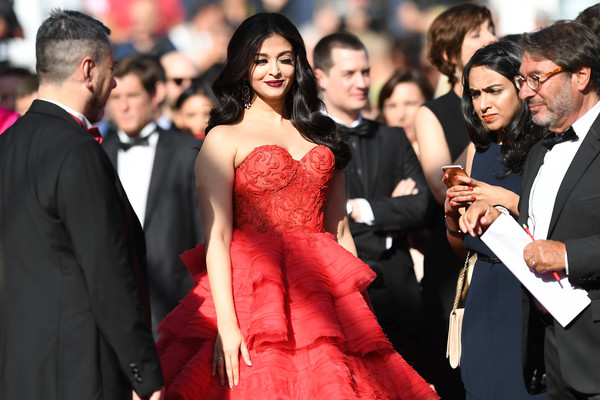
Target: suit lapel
111, 146
533, 164
372, 158
159, 173
588, 151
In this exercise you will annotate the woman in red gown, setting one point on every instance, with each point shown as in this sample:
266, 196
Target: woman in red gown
277, 310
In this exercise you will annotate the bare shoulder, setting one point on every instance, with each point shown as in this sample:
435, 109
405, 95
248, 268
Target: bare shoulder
221, 139
426, 120
232, 143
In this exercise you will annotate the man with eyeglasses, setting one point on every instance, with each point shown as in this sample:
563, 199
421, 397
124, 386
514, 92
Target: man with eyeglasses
180, 70
560, 202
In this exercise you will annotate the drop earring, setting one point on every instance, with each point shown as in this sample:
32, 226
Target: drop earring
246, 99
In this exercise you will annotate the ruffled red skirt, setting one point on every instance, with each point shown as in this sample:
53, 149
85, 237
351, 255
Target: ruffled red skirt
309, 331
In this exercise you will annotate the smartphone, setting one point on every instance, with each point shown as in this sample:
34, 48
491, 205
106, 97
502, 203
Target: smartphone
453, 170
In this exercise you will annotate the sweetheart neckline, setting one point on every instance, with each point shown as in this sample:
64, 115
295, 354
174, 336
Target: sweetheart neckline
301, 159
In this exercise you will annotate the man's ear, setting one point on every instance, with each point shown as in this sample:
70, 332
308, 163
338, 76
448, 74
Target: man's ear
87, 69
160, 92
321, 78
582, 78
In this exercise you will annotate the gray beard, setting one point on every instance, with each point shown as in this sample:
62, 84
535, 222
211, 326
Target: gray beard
557, 109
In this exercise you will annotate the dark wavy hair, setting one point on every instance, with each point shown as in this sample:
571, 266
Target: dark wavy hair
303, 103
503, 57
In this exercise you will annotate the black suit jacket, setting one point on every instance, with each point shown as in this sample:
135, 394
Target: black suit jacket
71, 326
380, 159
575, 221
172, 222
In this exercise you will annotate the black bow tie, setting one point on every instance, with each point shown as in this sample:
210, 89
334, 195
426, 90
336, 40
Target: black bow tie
141, 141
552, 138
361, 129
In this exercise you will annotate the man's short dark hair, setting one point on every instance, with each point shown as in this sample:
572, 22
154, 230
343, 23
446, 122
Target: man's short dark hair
341, 40
64, 39
147, 68
568, 44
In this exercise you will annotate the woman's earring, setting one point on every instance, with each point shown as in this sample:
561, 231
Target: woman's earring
246, 99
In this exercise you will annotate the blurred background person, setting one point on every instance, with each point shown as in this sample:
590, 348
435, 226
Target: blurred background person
179, 72
9, 28
120, 16
203, 37
7, 118
10, 78
26, 93
400, 99
144, 36
156, 168
502, 132
590, 17
442, 138
192, 110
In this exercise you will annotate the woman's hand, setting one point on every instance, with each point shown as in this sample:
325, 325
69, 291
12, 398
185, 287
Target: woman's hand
226, 355
472, 190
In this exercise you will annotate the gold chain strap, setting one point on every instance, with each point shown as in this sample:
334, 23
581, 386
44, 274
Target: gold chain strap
461, 281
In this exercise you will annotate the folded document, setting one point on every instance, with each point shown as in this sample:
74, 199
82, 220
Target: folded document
563, 300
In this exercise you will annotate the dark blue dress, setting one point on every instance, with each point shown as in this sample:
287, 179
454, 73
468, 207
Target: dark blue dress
491, 336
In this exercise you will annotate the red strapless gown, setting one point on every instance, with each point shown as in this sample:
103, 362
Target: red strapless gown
297, 297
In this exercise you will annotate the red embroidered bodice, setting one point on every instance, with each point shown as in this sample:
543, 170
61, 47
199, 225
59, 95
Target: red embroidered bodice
275, 193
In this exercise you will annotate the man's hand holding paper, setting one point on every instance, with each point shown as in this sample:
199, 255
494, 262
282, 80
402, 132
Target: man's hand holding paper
545, 256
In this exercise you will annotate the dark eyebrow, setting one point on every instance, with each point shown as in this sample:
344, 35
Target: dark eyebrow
490, 87
278, 55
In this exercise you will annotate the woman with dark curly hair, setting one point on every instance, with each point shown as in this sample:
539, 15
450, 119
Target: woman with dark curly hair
278, 310
502, 132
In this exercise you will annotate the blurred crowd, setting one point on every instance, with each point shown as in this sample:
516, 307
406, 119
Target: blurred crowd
392, 30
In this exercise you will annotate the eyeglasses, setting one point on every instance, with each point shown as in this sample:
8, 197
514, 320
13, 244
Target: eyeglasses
534, 81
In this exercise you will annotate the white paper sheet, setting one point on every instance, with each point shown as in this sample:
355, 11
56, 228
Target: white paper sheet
507, 240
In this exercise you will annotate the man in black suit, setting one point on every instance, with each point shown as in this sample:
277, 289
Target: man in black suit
72, 250
157, 171
386, 188
560, 80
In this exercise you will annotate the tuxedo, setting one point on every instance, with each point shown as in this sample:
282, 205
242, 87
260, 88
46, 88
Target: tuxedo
575, 221
381, 157
72, 259
172, 222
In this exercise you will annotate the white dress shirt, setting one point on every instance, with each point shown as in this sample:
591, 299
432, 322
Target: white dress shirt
135, 168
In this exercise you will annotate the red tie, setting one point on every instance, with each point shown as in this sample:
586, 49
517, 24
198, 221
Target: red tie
94, 131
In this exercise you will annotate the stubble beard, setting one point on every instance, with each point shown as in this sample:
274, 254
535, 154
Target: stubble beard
557, 110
